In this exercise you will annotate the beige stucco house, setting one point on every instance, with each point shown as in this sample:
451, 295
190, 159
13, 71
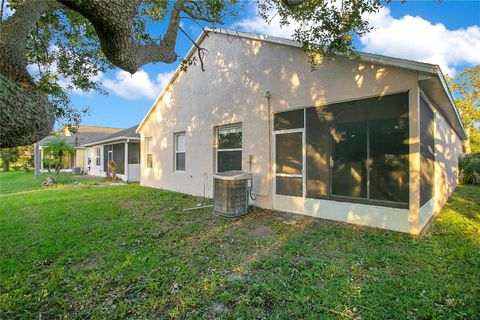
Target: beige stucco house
371, 141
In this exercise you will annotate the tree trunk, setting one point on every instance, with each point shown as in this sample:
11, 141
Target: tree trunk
467, 149
59, 165
466, 146
6, 165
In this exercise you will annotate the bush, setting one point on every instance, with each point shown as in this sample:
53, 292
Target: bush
469, 166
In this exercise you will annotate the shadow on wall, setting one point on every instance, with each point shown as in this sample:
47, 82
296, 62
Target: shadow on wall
448, 148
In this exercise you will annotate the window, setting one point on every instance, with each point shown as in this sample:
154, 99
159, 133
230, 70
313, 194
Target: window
180, 151
97, 157
229, 151
149, 151
109, 152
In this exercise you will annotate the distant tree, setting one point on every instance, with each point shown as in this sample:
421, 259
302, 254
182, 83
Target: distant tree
25, 158
8, 156
45, 42
57, 149
466, 91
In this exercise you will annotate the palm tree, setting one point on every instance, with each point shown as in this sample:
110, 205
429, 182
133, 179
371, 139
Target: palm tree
58, 148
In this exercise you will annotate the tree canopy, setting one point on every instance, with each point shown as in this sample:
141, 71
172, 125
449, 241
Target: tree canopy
466, 91
50, 47
55, 150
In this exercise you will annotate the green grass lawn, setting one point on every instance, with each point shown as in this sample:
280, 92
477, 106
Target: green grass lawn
21, 181
116, 252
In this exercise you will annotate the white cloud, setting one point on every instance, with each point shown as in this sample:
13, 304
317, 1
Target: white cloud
7, 11
138, 85
408, 37
257, 24
66, 83
418, 39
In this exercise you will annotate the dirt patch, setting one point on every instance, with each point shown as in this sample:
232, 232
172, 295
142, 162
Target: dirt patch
218, 309
90, 263
290, 218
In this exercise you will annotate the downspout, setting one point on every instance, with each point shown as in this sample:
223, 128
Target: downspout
126, 160
266, 94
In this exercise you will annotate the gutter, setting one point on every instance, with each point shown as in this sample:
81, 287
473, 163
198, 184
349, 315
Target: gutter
110, 140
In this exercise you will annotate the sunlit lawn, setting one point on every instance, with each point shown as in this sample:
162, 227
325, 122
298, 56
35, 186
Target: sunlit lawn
113, 252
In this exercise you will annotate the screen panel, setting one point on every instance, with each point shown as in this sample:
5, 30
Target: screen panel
105, 156
427, 153
133, 153
119, 157
349, 155
289, 186
367, 158
385, 107
389, 165
289, 120
317, 152
289, 153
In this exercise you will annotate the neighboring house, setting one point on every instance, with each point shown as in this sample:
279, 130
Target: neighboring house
84, 134
123, 147
372, 141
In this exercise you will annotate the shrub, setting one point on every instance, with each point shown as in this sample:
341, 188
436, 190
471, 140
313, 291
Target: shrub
469, 166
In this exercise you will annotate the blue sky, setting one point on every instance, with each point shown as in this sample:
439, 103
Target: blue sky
446, 33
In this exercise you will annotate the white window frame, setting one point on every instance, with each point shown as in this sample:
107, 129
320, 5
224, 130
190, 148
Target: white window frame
175, 137
226, 150
110, 152
98, 156
148, 141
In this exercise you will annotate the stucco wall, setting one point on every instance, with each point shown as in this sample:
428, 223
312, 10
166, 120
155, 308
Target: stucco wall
80, 158
230, 91
133, 172
448, 148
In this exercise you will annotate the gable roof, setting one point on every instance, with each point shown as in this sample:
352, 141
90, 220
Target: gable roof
125, 134
85, 134
428, 71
